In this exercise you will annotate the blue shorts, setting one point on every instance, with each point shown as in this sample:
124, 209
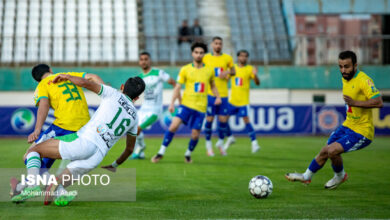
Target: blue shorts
240, 111
222, 109
190, 117
51, 132
349, 139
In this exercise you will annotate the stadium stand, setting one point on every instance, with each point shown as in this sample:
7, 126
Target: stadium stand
258, 26
68, 31
161, 20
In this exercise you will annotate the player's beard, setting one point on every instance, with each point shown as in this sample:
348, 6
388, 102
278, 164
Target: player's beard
349, 76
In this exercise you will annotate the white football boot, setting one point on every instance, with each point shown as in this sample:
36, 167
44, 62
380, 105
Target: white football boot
336, 181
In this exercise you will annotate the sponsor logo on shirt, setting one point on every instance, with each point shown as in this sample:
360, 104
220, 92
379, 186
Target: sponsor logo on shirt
199, 87
218, 71
238, 81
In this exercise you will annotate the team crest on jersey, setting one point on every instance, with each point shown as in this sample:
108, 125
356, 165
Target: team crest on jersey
218, 71
371, 84
239, 81
199, 87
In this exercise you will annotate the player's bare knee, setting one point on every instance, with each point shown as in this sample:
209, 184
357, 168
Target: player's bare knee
332, 152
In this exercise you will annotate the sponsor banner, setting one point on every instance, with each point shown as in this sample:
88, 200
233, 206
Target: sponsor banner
266, 119
327, 118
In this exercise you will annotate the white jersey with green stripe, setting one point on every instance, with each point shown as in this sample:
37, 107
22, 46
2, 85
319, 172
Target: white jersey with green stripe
115, 117
153, 94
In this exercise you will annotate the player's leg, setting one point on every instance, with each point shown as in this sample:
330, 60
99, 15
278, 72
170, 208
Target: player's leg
195, 123
33, 157
182, 117
350, 142
252, 134
222, 111
232, 110
146, 119
208, 125
318, 162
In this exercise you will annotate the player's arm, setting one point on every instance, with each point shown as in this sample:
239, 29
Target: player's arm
175, 95
94, 78
371, 103
130, 142
79, 81
218, 99
43, 110
256, 78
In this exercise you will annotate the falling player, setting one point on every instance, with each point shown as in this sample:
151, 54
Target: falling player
357, 131
152, 105
239, 97
222, 64
197, 79
115, 117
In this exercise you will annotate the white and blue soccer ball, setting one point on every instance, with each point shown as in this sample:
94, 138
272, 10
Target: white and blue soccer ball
260, 187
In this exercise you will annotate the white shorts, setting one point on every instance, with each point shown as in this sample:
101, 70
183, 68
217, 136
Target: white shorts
147, 118
82, 153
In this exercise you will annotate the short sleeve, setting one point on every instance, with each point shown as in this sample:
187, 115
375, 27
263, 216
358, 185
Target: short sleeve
78, 74
107, 91
369, 89
230, 62
252, 72
41, 92
133, 130
182, 77
164, 76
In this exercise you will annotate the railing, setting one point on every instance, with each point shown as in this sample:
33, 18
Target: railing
267, 50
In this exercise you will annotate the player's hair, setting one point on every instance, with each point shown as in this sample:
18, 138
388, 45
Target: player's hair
39, 70
217, 38
199, 44
134, 86
242, 51
348, 55
145, 53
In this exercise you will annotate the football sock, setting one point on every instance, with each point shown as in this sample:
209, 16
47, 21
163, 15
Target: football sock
167, 138
313, 168
33, 164
192, 144
228, 131
339, 170
141, 140
208, 130
61, 190
162, 150
251, 132
222, 130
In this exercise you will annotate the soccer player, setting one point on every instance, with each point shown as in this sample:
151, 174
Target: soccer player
239, 97
222, 64
197, 79
357, 131
115, 117
69, 105
151, 108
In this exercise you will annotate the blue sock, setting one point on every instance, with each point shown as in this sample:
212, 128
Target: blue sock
167, 138
314, 166
192, 144
222, 130
208, 130
47, 162
337, 169
251, 132
228, 131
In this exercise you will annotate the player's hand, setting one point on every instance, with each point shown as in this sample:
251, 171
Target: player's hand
33, 136
171, 108
223, 74
349, 101
218, 101
60, 78
110, 168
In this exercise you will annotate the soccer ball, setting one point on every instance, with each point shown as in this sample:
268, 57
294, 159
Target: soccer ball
260, 187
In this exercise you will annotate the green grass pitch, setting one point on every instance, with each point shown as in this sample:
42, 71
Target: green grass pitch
218, 187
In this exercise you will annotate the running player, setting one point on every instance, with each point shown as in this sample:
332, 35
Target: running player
357, 131
115, 117
197, 79
239, 97
151, 108
69, 105
222, 64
